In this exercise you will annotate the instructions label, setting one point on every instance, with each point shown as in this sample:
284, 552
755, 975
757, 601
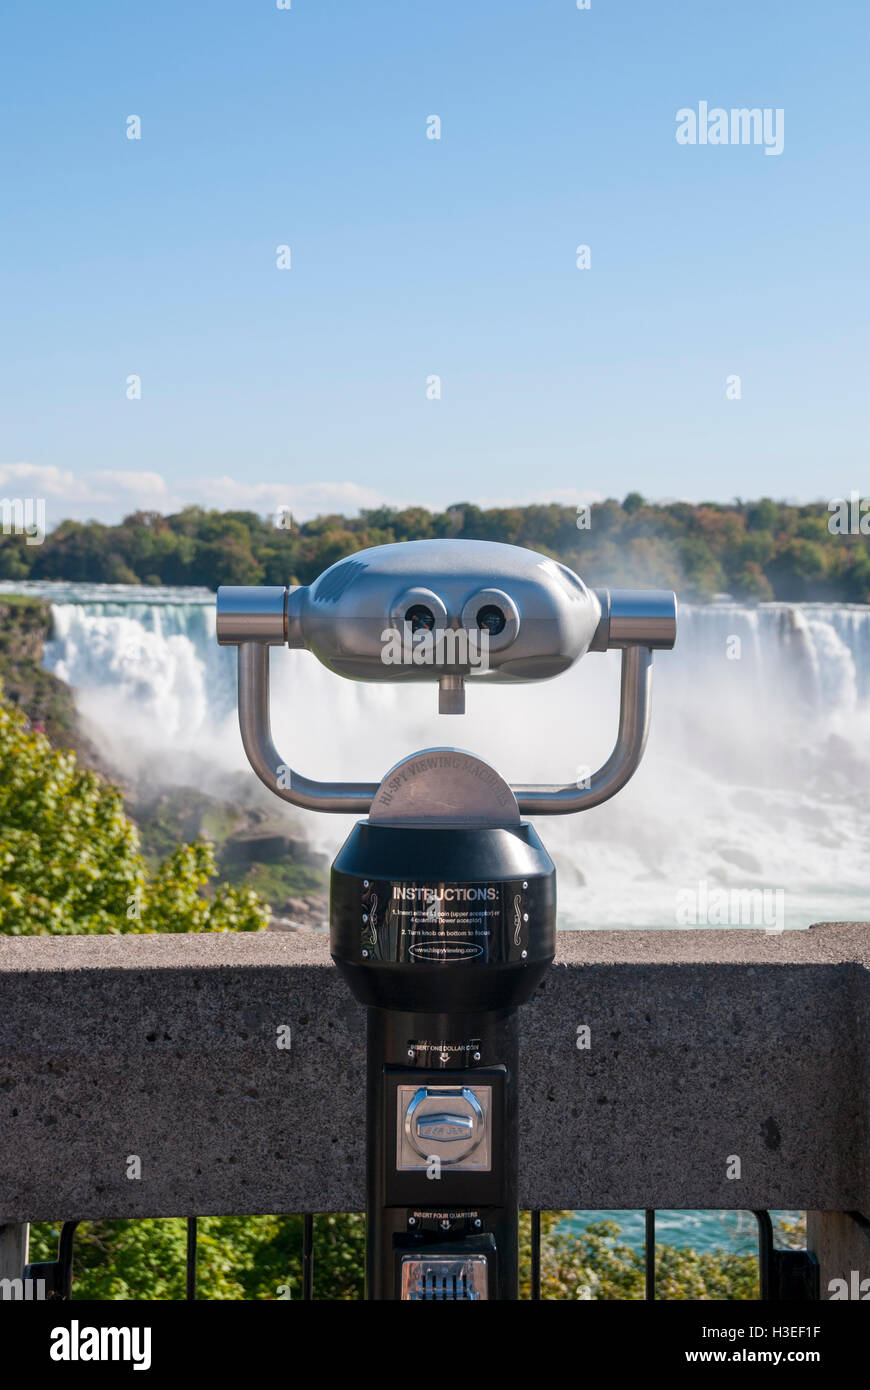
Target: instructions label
446, 923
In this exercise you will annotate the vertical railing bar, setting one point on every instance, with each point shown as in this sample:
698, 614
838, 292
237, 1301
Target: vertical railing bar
649, 1253
536, 1255
765, 1255
190, 1292
65, 1259
308, 1257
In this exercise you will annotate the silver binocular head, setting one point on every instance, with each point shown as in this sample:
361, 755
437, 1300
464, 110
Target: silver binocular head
448, 611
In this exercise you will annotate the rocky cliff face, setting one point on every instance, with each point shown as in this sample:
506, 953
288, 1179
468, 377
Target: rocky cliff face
252, 843
25, 626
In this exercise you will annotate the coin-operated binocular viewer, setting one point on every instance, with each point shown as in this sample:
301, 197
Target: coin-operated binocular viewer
443, 898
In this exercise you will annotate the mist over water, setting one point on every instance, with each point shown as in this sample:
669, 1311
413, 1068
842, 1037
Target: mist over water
755, 777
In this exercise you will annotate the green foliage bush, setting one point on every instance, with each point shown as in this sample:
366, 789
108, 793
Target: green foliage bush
70, 860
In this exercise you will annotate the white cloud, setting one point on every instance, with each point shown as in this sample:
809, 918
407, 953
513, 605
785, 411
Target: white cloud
35, 480
108, 495
304, 499
78, 495
116, 481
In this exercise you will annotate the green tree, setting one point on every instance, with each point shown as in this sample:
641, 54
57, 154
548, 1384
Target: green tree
703, 548
70, 860
238, 1257
751, 582
763, 515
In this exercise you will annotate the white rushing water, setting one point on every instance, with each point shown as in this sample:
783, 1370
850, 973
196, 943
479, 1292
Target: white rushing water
755, 777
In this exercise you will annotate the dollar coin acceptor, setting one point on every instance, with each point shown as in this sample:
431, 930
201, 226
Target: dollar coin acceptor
443, 898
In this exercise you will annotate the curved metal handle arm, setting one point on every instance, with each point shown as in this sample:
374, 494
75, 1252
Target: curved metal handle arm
256, 729
351, 798
634, 712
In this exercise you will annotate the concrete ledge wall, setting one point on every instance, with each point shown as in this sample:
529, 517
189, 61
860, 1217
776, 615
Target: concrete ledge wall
840, 1241
705, 1046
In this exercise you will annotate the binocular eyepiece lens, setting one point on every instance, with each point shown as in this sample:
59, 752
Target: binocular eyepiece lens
421, 618
491, 619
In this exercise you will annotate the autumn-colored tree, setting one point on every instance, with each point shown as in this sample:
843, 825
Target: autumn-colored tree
701, 549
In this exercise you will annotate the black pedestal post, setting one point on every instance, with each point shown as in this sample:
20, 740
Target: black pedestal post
438, 1210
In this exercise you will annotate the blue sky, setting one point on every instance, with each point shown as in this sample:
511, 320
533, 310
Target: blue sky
414, 257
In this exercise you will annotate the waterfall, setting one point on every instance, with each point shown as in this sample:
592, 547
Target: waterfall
755, 776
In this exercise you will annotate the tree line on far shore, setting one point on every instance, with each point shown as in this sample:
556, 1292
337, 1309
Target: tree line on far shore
754, 551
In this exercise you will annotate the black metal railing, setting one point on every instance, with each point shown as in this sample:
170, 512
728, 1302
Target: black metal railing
57, 1274
783, 1275
190, 1272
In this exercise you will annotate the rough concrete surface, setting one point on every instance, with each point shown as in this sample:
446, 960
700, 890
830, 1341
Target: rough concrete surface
705, 1046
841, 1243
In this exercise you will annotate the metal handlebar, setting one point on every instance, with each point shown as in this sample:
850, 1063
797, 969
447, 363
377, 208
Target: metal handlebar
256, 729
635, 696
634, 621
